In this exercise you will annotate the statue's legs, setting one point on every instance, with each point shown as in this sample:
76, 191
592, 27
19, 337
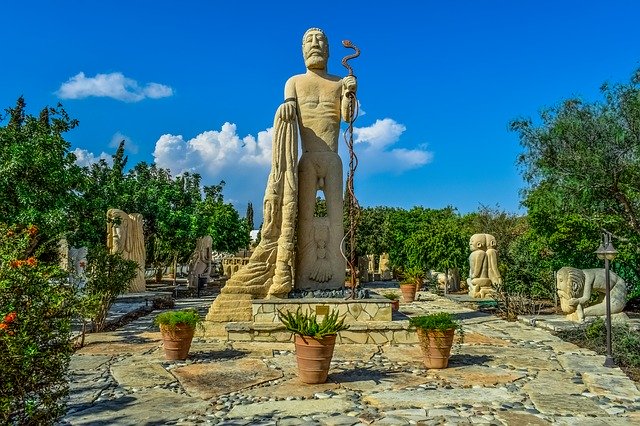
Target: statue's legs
319, 263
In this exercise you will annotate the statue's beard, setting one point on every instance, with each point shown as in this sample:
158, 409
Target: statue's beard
315, 62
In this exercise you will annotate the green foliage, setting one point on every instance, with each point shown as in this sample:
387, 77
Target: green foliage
438, 321
38, 174
306, 324
413, 276
36, 306
170, 319
391, 295
582, 161
107, 276
222, 221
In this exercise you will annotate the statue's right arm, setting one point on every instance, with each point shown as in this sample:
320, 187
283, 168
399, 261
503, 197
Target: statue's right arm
287, 111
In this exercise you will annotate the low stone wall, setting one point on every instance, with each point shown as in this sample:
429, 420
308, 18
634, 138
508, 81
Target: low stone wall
355, 311
372, 332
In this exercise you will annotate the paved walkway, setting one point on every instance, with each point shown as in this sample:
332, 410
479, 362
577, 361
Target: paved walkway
504, 373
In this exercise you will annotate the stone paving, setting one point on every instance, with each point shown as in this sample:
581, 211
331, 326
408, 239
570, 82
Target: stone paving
505, 373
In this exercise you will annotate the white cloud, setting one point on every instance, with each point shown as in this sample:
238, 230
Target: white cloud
85, 158
128, 143
374, 148
114, 85
242, 162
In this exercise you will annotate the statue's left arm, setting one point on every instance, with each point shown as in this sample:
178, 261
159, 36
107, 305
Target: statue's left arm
349, 88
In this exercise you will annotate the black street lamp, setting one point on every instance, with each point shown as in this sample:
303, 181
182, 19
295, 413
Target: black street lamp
607, 252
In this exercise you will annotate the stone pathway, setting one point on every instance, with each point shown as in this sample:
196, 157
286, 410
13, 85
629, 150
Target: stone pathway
503, 374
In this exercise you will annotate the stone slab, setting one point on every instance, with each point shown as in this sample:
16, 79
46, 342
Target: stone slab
520, 419
402, 353
218, 378
292, 388
440, 397
554, 382
141, 375
291, 408
363, 380
554, 405
617, 387
515, 357
147, 407
88, 362
581, 363
477, 375
119, 348
362, 352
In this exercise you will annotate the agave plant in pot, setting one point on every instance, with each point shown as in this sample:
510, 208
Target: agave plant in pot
435, 335
314, 342
177, 328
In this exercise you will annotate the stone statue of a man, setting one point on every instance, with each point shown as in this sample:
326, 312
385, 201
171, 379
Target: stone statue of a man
313, 106
318, 100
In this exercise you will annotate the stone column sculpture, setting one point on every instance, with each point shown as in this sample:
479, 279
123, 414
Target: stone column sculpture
125, 236
200, 261
483, 266
313, 105
383, 267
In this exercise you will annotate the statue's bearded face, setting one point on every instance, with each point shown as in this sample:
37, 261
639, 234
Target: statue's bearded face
315, 50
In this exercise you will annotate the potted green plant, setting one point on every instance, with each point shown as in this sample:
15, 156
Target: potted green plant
314, 342
177, 328
411, 283
435, 335
394, 298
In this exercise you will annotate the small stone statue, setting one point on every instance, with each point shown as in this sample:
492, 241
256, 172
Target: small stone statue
483, 266
575, 287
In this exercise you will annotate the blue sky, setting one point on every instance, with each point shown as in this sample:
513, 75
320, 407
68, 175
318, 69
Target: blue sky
193, 85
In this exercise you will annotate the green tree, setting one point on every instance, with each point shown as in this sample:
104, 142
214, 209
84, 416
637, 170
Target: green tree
249, 216
582, 162
222, 221
38, 175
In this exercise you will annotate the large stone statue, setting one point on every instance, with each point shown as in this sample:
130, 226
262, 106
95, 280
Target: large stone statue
125, 236
314, 103
576, 286
200, 261
483, 266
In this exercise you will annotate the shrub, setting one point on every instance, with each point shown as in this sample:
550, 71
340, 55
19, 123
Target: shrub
391, 295
107, 276
36, 307
306, 324
169, 319
437, 321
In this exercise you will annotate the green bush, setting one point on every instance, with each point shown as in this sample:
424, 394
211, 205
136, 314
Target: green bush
107, 276
306, 324
438, 321
170, 319
36, 307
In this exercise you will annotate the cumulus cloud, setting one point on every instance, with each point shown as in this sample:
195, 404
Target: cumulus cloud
114, 85
242, 162
376, 153
86, 158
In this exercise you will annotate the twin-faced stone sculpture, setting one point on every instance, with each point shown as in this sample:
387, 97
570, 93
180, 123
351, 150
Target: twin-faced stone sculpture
576, 286
313, 104
483, 266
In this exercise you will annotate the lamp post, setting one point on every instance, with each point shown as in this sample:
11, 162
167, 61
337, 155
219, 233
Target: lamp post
607, 252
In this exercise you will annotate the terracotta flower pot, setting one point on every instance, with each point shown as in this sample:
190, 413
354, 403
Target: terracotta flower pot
314, 357
395, 305
408, 292
436, 346
176, 341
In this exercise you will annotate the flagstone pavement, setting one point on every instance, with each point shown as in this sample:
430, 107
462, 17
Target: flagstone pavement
505, 373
